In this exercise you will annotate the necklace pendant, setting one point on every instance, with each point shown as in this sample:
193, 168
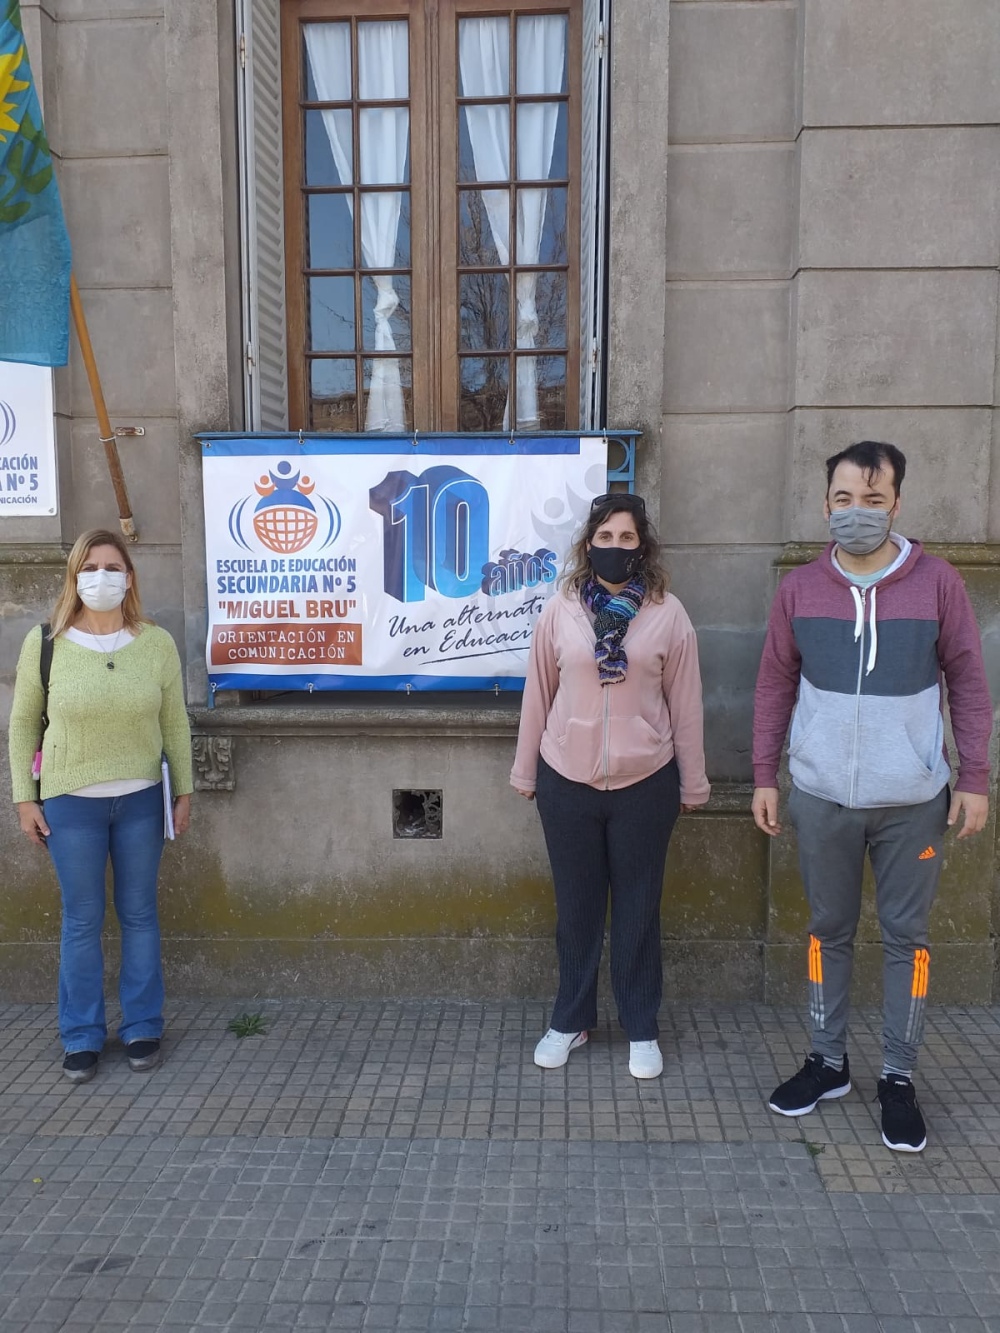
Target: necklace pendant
111, 666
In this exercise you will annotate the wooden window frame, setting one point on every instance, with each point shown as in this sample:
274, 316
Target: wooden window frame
293, 16
451, 12
434, 113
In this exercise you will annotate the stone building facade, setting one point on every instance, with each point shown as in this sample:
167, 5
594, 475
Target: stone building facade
803, 250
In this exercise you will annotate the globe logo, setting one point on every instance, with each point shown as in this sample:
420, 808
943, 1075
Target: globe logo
8, 423
286, 519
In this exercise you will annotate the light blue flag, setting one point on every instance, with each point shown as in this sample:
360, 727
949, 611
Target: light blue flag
34, 246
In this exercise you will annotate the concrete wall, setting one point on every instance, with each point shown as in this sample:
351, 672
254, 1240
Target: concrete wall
833, 242
805, 245
730, 242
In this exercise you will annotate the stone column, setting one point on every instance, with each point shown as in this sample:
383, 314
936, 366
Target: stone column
730, 233
896, 339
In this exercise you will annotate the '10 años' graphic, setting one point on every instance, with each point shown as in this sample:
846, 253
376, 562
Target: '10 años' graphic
436, 534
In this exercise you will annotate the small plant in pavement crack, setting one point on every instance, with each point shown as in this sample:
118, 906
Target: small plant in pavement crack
248, 1025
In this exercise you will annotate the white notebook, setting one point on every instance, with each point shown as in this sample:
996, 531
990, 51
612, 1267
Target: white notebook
168, 801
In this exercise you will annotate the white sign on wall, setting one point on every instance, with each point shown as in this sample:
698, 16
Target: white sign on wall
27, 442
379, 563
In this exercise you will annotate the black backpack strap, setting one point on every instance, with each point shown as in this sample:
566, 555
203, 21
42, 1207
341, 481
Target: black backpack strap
45, 670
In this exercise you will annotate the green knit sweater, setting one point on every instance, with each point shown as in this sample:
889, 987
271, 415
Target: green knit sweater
103, 725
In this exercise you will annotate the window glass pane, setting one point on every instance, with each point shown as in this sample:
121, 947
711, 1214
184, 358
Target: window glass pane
384, 139
333, 394
541, 392
484, 143
385, 308
331, 231
403, 233
484, 57
329, 150
483, 216
383, 61
542, 136
484, 300
483, 392
385, 229
327, 61
380, 375
541, 54
331, 314
544, 294
541, 227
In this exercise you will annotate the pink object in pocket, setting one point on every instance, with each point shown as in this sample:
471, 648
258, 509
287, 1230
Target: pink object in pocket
36, 765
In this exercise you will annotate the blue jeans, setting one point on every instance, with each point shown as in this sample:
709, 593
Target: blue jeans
84, 831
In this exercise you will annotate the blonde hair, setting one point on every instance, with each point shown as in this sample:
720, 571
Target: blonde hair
68, 605
578, 570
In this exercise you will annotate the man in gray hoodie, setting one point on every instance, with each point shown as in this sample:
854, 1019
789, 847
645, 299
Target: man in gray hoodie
857, 646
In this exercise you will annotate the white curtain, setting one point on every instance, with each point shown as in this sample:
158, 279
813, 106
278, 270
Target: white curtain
484, 61
383, 132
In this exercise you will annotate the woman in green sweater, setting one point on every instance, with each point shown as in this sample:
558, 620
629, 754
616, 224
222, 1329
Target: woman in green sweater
115, 706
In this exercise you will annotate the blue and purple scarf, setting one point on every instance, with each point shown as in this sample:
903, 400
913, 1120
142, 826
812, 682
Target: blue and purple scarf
613, 613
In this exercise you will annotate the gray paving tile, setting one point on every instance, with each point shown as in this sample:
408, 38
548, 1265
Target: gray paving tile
404, 1166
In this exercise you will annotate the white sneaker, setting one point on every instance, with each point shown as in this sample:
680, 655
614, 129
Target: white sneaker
554, 1048
644, 1059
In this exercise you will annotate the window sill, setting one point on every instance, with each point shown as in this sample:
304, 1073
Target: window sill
390, 715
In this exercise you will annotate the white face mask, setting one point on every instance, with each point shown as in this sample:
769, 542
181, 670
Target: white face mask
102, 589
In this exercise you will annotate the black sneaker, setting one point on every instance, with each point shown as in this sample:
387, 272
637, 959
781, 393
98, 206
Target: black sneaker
815, 1082
143, 1055
80, 1066
903, 1128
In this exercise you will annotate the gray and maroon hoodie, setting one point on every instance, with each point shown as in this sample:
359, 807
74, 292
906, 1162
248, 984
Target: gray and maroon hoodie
862, 668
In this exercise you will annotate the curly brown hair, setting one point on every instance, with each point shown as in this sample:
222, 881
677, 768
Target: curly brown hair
578, 568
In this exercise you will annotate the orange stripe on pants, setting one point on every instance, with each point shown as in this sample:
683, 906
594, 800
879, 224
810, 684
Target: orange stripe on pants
921, 972
815, 961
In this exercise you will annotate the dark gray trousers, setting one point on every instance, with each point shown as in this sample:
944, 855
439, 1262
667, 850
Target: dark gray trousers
905, 844
599, 841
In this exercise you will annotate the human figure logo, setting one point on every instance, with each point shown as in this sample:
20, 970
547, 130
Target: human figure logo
286, 518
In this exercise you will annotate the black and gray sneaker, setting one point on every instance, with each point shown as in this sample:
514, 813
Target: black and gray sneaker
80, 1066
903, 1128
815, 1082
143, 1055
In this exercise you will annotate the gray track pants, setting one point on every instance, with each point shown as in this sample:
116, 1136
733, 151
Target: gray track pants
905, 846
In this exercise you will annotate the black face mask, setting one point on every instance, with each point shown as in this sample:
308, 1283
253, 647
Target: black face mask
614, 564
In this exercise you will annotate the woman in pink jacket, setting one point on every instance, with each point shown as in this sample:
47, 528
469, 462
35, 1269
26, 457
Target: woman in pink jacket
611, 742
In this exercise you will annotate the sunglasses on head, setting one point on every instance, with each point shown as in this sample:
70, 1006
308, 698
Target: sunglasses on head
622, 499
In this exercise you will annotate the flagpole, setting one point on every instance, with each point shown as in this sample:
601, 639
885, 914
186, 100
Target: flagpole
107, 435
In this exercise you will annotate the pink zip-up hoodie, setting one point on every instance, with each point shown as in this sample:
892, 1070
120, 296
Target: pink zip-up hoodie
611, 736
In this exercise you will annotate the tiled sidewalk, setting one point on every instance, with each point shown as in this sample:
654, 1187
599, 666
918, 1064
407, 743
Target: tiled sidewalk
378, 1166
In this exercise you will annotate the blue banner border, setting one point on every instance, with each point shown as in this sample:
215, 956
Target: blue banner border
228, 445
301, 681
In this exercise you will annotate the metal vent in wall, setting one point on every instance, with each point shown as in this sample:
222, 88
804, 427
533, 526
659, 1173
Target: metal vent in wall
416, 814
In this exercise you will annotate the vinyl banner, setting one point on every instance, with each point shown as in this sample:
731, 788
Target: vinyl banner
27, 442
383, 564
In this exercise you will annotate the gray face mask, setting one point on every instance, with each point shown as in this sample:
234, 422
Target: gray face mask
859, 531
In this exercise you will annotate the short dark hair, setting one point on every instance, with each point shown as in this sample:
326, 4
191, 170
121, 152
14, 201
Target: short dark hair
871, 457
